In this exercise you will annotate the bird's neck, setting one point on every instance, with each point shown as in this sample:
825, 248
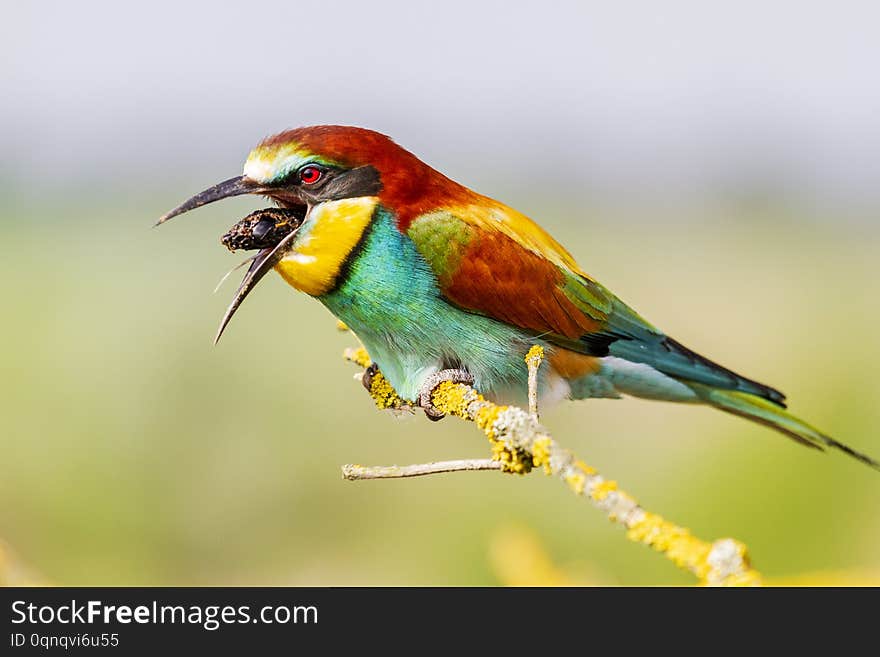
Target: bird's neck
327, 240
387, 290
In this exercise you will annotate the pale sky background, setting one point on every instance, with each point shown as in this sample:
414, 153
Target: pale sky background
616, 101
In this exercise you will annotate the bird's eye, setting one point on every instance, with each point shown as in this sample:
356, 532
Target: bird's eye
309, 175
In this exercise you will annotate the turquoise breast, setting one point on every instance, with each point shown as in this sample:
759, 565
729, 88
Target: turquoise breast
388, 295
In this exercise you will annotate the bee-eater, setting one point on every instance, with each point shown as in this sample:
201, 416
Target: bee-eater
438, 281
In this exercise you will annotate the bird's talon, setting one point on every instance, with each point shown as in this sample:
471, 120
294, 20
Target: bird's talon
433, 414
369, 373
451, 375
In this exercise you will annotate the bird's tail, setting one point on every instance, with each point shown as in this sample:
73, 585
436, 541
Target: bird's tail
772, 415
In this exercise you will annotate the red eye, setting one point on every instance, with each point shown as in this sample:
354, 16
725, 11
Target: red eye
310, 175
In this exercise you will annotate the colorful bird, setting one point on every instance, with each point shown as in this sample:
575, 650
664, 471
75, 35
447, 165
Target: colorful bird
440, 282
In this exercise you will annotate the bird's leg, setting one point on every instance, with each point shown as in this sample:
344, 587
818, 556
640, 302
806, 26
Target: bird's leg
369, 373
451, 375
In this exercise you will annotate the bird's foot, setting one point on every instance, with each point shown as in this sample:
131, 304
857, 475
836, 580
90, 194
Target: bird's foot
451, 375
367, 378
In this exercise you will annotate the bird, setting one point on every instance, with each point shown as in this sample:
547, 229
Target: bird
440, 282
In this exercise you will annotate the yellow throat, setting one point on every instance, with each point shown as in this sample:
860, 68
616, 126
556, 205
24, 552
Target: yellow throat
332, 230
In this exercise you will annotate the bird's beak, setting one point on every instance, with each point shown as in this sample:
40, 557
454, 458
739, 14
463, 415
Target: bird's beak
232, 187
267, 258
263, 262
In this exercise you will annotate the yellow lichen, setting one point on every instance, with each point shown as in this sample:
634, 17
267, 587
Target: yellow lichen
728, 565
541, 453
576, 481
676, 543
586, 469
358, 356
534, 356
384, 394
624, 505
512, 461
601, 489
452, 399
486, 418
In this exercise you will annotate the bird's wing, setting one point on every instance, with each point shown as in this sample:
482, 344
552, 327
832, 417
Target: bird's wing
492, 260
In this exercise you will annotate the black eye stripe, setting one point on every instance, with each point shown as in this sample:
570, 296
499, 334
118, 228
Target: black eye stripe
361, 181
335, 183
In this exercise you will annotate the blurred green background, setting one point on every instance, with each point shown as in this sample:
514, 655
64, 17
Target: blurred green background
134, 452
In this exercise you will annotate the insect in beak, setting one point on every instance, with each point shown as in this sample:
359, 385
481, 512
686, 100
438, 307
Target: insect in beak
272, 231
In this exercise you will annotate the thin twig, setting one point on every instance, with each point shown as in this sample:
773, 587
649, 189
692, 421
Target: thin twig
533, 361
359, 472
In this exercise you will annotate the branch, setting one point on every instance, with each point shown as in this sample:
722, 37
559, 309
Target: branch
534, 358
358, 472
520, 443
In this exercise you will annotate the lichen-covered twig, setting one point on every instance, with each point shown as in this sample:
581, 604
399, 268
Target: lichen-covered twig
520, 443
357, 472
533, 361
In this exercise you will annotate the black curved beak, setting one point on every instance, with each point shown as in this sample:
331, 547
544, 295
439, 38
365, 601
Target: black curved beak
263, 262
228, 188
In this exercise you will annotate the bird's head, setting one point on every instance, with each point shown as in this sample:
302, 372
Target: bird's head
307, 166
306, 169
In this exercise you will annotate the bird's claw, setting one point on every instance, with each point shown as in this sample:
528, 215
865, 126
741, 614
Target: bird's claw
367, 378
427, 389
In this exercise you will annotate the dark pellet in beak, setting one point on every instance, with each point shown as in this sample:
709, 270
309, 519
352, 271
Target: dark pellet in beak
263, 229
